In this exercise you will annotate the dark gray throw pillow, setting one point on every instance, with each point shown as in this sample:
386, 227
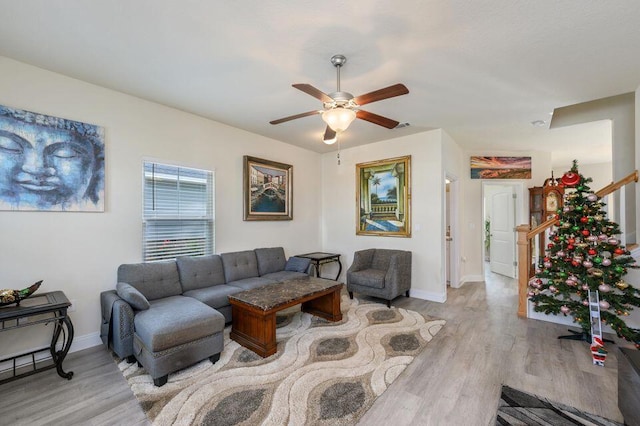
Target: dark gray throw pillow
132, 296
297, 264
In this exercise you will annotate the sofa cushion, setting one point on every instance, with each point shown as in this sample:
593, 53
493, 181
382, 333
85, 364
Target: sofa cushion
239, 265
254, 282
132, 296
154, 280
285, 275
174, 321
215, 296
368, 278
297, 264
270, 260
200, 271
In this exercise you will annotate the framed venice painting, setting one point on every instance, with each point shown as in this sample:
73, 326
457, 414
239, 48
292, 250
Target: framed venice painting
383, 197
268, 191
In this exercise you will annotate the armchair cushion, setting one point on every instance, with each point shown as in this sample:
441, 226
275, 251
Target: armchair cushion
382, 259
297, 264
382, 273
132, 296
369, 277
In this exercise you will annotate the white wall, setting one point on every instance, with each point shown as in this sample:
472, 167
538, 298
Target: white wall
454, 168
427, 192
621, 110
79, 253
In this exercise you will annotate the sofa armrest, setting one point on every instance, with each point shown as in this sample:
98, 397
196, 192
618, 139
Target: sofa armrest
117, 327
361, 260
398, 275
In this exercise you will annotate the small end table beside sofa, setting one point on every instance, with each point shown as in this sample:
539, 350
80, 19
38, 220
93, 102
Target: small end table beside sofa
171, 314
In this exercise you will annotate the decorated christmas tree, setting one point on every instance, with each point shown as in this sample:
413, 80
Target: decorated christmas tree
585, 255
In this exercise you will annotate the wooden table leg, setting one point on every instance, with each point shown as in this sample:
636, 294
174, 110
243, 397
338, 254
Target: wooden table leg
254, 330
327, 306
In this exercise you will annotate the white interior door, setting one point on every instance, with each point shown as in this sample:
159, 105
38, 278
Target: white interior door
502, 230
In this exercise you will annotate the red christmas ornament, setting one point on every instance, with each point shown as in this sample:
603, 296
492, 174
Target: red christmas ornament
571, 240
550, 245
570, 247
592, 252
584, 219
570, 179
585, 232
618, 250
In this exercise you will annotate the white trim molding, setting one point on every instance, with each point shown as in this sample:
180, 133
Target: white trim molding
428, 295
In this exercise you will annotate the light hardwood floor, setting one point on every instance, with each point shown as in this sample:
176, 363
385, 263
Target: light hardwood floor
455, 381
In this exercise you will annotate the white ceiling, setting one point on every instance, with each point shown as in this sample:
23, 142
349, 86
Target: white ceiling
482, 70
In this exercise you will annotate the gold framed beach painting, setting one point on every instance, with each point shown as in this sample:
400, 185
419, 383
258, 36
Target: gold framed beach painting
268, 190
383, 197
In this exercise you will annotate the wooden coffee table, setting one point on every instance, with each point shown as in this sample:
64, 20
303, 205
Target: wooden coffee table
254, 311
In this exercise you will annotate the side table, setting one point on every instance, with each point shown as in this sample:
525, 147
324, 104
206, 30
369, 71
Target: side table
319, 258
49, 308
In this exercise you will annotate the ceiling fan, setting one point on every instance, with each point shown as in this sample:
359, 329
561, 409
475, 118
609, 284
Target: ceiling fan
341, 108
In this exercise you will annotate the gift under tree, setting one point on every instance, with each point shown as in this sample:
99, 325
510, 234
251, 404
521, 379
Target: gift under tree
584, 254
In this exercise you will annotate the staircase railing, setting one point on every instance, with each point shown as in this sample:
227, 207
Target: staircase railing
526, 237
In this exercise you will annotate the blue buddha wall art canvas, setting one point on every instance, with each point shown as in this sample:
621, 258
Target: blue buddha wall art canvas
50, 163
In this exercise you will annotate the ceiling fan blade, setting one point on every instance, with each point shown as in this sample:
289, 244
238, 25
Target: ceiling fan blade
329, 134
378, 95
376, 119
293, 117
316, 93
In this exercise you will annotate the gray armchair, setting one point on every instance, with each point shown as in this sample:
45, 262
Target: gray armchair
380, 273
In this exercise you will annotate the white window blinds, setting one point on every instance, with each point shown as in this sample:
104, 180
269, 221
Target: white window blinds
178, 212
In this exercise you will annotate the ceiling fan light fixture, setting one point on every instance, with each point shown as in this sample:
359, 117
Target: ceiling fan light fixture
331, 141
339, 118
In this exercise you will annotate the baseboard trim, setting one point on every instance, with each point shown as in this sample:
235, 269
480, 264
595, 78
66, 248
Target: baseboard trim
428, 295
85, 341
79, 343
471, 279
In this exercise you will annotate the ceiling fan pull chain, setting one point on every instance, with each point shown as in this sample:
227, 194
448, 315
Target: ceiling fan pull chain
338, 152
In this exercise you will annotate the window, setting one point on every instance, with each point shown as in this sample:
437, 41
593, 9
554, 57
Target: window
178, 212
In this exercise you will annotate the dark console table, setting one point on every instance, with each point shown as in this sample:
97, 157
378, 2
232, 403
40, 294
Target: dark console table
43, 308
319, 258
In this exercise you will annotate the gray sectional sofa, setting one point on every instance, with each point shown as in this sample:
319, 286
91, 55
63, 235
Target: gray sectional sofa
171, 314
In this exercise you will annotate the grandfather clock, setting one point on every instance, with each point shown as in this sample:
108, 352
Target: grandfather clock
552, 197
544, 202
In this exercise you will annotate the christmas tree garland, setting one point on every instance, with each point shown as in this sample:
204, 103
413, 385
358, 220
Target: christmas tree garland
583, 254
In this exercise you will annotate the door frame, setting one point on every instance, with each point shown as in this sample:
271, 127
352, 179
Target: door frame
520, 216
454, 222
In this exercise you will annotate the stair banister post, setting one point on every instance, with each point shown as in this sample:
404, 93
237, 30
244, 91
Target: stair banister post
524, 260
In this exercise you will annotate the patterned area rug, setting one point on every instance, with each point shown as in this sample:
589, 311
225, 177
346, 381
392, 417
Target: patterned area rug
520, 408
323, 373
